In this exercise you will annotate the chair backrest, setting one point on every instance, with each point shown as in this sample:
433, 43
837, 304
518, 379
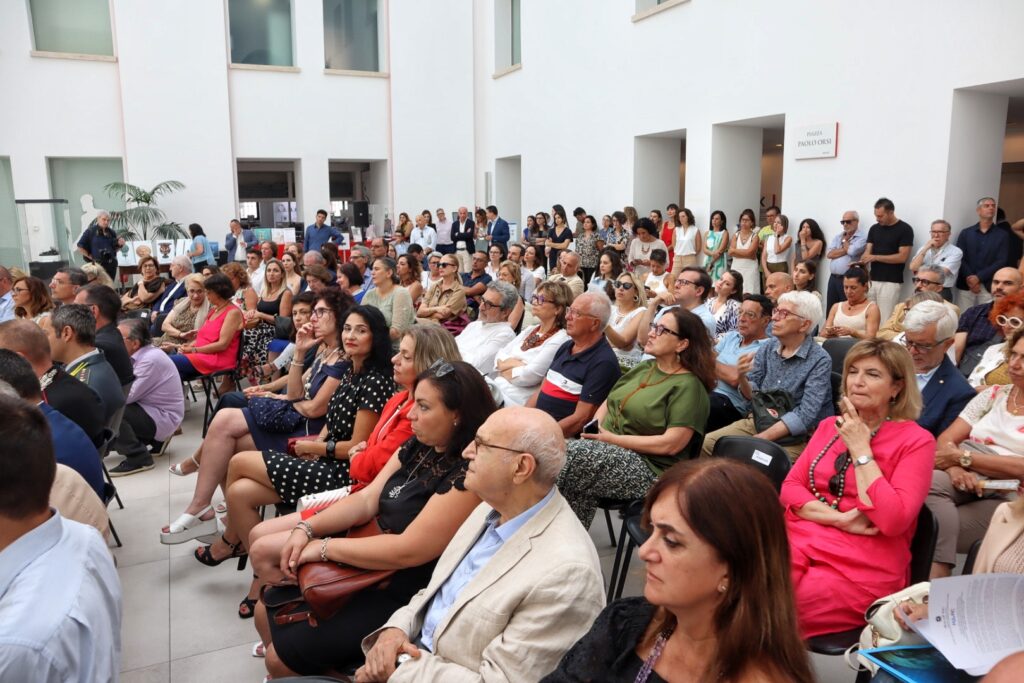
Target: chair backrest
837, 388
767, 456
108, 493
837, 350
972, 557
922, 546
107, 437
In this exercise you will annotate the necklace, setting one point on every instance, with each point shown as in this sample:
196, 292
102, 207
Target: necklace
659, 646
840, 472
647, 250
535, 338
396, 491
1014, 398
647, 383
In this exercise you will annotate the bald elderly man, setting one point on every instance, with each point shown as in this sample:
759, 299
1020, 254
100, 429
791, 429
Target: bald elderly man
519, 583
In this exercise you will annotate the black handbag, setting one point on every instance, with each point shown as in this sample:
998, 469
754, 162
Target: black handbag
274, 415
768, 407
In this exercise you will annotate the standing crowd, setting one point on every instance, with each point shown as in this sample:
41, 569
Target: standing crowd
447, 408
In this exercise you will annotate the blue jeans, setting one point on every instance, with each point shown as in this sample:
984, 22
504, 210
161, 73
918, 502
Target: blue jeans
186, 370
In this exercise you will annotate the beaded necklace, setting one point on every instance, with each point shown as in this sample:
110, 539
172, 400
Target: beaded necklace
535, 338
840, 472
659, 646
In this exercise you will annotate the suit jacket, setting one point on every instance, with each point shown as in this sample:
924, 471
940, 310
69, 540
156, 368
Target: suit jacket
520, 614
1006, 525
465, 233
499, 232
945, 396
96, 373
231, 243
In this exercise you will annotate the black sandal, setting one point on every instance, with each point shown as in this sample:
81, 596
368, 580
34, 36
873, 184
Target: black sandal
205, 556
247, 608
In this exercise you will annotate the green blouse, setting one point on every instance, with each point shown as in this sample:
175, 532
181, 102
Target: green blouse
666, 401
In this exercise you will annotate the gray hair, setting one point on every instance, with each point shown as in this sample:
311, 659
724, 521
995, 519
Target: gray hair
856, 216
986, 199
927, 312
315, 256
182, 262
942, 221
365, 251
600, 306
101, 213
806, 304
547, 449
508, 293
931, 268
79, 318
7, 391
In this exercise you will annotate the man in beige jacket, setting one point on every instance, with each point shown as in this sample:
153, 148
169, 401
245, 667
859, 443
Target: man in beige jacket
519, 583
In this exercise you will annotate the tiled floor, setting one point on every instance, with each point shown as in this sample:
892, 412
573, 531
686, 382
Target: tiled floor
180, 621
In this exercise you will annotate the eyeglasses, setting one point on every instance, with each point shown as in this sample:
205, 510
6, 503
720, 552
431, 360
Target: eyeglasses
939, 232
484, 303
539, 300
576, 313
782, 314
1013, 323
847, 222
441, 367
19, 289
321, 312
923, 348
478, 442
622, 285
657, 330
922, 281
750, 315
683, 281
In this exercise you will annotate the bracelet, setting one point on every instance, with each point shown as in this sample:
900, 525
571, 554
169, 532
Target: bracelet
323, 549
296, 363
305, 526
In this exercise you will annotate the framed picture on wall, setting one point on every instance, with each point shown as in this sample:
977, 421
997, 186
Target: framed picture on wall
357, 235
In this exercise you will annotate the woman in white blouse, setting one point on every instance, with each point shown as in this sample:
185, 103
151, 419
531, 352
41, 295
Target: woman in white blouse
777, 248
630, 303
521, 365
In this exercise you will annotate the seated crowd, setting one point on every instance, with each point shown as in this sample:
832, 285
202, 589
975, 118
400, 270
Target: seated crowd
450, 419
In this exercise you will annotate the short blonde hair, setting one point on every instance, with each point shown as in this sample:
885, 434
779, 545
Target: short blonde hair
513, 269
897, 360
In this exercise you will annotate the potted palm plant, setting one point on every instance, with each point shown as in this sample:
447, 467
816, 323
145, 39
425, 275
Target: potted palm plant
142, 219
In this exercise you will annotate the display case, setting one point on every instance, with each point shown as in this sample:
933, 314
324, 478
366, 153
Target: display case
46, 240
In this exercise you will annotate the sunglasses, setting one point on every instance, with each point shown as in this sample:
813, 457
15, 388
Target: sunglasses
657, 330
847, 222
842, 463
446, 265
622, 285
1013, 323
441, 367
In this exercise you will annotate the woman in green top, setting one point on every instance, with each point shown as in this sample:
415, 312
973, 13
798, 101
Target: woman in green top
389, 298
649, 420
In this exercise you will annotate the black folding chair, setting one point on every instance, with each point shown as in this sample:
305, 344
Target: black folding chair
837, 350
631, 536
608, 505
106, 442
767, 456
922, 551
210, 389
972, 557
109, 493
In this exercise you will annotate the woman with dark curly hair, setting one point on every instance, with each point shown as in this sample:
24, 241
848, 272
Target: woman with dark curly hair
649, 420
31, 298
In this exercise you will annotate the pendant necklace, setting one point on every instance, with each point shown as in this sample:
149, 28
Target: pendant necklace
396, 491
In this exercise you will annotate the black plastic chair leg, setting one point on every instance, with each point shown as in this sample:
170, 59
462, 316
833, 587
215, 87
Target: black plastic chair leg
624, 569
113, 532
106, 475
611, 529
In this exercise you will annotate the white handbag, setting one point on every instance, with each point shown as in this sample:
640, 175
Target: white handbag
883, 630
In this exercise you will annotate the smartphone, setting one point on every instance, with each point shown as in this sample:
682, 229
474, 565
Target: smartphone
590, 427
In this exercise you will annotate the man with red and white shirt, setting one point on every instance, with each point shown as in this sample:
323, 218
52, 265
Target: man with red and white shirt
583, 370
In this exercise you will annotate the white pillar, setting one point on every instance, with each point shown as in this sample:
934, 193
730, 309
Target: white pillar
655, 173
735, 169
976, 133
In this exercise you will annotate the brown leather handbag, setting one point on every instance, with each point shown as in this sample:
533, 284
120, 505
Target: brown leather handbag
325, 587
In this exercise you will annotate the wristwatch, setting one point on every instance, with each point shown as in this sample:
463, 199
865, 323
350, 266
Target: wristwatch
863, 460
330, 449
966, 459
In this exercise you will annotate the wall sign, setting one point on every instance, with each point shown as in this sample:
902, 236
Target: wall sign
817, 142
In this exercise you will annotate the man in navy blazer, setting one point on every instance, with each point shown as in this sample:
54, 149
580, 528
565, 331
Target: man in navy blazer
929, 330
231, 241
497, 228
464, 237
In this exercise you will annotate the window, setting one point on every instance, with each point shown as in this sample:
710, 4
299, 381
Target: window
72, 26
508, 41
351, 40
261, 32
249, 210
517, 34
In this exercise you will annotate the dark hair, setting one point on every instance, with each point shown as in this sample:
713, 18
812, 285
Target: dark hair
17, 372
389, 263
659, 255
480, 214
351, 273
493, 209
593, 221
500, 247
577, 211
138, 330
699, 356
76, 276
39, 295
196, 230
711, 221
321, 212
321, 273
105, 299
307, 297
340, 302
330, 253
219, 284
812, 268
693, 221
857, 273
254, 250
412, 248
774, 208
79, 318
676, 222
755, 622
737, 290
273, 247
237, 271
767, 305
558, 210
660, 215
414, 265
27, 463
212, 267
784, 219
749, 213
147, 259
885, 203
380, 349
816, 232
703, 279
619, 216
464, 391
616, 260
647, 224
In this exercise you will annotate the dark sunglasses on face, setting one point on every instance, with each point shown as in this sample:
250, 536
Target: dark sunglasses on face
622, 285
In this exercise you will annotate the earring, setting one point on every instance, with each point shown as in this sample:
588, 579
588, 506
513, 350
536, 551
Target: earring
722, 588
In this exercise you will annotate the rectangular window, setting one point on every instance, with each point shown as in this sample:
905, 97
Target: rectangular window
261, 32
249, 210
351, 41
72, 26
517, 34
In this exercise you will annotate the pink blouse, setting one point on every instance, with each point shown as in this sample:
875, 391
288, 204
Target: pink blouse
209, 333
